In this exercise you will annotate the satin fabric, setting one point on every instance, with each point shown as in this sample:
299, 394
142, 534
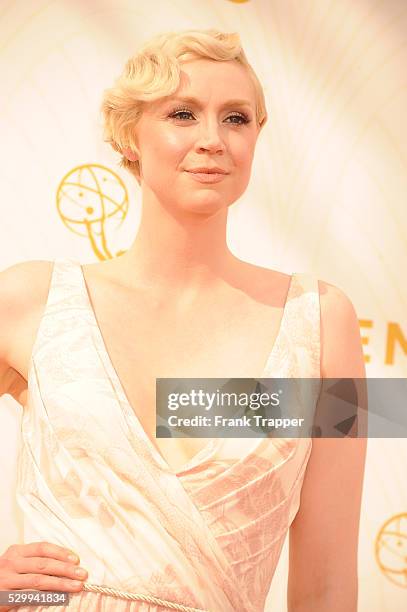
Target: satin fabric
208, 536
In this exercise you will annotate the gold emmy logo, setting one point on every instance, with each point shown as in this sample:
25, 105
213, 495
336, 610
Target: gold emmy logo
391, 549
89, 197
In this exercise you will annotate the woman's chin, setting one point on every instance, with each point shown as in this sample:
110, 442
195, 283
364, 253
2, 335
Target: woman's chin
204, 206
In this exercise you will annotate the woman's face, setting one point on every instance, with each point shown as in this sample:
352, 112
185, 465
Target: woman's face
218, 128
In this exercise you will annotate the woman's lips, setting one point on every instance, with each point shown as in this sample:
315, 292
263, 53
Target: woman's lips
207, 177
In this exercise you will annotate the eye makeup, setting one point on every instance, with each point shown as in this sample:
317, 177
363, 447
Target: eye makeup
183, 109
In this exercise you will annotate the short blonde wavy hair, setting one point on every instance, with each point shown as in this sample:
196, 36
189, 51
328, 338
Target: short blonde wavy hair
154, 72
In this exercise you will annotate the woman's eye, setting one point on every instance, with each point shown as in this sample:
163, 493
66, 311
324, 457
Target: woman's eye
177, 114
243, 118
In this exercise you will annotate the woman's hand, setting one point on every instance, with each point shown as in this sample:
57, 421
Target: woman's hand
39, 566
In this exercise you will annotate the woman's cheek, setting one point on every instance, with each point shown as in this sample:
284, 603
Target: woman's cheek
172, 140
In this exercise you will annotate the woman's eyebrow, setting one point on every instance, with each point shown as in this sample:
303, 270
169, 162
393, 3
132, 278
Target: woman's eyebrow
196, 102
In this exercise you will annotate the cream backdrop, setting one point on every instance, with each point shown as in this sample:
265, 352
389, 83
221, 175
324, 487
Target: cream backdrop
327, 193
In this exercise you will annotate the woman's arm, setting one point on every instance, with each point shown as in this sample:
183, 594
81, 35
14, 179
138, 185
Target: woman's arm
324, 534
42, 565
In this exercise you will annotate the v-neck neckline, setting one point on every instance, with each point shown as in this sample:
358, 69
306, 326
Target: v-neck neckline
213, 443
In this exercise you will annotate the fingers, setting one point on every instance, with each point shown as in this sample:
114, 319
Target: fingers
43, 565
43, 582
40, 549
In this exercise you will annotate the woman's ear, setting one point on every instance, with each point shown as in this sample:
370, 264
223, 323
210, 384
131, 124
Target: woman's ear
130, 154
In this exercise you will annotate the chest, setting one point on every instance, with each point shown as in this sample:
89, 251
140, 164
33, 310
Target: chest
232, 338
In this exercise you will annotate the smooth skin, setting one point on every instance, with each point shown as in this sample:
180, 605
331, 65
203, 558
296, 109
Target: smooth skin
192, 306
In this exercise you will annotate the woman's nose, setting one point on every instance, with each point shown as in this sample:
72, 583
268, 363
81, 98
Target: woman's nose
210, 140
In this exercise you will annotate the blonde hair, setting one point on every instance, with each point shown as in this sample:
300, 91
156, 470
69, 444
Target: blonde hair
154, 72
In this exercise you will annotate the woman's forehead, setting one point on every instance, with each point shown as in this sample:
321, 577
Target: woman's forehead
206, 72
219, 82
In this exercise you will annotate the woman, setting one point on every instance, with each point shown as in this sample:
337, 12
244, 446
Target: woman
195, 523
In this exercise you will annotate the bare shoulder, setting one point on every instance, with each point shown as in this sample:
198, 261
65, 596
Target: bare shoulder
335, 304
333, 296
342, 354
263, 284
23, 294
23, 283
266, 275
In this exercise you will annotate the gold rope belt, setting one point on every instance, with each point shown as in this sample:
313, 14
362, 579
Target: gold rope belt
96, 588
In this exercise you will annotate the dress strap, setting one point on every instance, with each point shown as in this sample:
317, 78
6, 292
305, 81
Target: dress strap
297, 352
305, 325
63, 294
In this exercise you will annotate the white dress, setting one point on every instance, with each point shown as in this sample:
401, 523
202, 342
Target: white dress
207, 537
